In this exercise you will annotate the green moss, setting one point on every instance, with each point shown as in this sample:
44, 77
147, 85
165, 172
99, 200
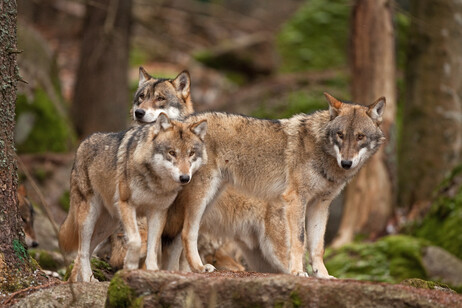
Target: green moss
20, 250
49, 132
101, 270
390, 259
44, 259
121, 295
442, 225
296, 300
316, 37
424, 284
64, 201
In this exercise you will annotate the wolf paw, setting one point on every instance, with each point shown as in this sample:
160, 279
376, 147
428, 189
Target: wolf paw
208, 268
301, 274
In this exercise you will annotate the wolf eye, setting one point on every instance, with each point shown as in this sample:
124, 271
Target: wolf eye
192, 153
340, 135
141, 96
360, 136
161, 98
172, 153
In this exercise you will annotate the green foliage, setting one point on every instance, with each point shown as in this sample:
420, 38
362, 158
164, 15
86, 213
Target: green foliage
316, 37
442, 225
50, 132
390, 259
300, 101
64, 201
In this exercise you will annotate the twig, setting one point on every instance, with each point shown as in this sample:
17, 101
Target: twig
43, 286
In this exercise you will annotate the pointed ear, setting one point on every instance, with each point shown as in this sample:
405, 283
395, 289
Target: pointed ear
162, 123
200, 128
334, 105
144, 76
376, 110
182, 83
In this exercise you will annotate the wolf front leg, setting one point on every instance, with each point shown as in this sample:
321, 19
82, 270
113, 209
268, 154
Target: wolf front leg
197, 196
316, 221
128, 218
156, 223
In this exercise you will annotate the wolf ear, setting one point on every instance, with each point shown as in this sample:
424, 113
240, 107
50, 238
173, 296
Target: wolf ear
182, 83
376, 110
144, 76
200, 128
162, 123
334, 105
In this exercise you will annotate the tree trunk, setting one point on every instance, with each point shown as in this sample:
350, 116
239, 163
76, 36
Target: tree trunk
432, 121
15, 266
370, 196
101, 98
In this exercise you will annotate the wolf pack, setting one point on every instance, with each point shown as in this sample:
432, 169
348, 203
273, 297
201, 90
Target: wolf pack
177, 178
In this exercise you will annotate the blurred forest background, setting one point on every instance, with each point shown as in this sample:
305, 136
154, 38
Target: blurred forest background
402, 215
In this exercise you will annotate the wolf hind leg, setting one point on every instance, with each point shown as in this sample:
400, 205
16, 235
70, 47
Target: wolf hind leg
171, 254
89, 213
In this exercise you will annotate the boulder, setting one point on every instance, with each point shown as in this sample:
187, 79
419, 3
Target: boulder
226, 289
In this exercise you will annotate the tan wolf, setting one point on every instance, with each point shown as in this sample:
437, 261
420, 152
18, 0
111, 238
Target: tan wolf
117, 176
295, 167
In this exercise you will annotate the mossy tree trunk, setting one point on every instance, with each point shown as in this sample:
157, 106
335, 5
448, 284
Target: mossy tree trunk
15, 266
101, 94
432, 123
369, 198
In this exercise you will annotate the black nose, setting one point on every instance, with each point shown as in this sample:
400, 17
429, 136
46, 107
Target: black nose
184, 179
34, 244
139, 113
346, 164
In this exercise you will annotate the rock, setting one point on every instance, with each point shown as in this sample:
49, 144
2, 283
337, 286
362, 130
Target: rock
442, 266
429, 285
67, 295
225, 289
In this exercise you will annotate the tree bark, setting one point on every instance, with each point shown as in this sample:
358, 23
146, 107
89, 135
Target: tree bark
15, 266
101, 98
432, 120
369, 198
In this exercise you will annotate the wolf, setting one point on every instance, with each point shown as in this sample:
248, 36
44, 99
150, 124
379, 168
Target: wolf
27, 213
117, 176
157, 95
291, 168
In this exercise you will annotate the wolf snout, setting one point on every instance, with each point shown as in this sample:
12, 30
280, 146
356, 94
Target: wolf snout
346, 164
184, 179
139, 113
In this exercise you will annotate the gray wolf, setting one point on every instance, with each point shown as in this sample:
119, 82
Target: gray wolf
27, 213
292, 169
157, 95
117, 176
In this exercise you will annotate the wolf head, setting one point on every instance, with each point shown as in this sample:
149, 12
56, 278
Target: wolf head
179, 148
156, 95
353, 131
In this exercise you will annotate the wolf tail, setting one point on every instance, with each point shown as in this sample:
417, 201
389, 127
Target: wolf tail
69, 231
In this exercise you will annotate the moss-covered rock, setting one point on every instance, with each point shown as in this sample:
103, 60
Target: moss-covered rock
101, 270
442, 225
41, 113
390, 259
47, 260
424, 284
120, 294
